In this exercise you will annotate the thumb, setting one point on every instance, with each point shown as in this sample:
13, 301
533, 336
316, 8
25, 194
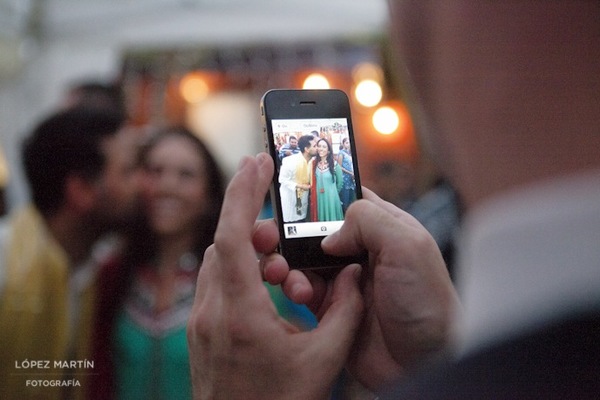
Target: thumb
367, 226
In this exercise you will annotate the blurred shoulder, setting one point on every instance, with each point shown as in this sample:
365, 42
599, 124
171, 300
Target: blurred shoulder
4, 234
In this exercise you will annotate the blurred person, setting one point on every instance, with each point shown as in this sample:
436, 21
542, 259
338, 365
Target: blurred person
506, 95
80, 168
289, 148
147, 297
344, 159
433, 201
294, 180
326, 183
393, 180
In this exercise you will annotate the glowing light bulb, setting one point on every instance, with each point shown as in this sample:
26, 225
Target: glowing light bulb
316, 81
367, 70
386, 120
193, 88
368, 93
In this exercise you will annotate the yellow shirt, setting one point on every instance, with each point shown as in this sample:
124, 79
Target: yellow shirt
36, 347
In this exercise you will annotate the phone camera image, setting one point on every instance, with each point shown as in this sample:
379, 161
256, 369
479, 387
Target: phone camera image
316, 175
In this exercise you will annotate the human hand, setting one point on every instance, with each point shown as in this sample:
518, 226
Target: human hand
240, 348
409, 298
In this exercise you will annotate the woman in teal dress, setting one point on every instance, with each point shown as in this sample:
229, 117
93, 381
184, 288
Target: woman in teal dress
147, 296
326, 184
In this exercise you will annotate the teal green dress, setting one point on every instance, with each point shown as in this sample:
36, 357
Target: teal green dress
151, 352
151, 359
329, 205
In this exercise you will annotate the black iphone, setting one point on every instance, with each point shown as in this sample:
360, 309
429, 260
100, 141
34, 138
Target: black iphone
309, 135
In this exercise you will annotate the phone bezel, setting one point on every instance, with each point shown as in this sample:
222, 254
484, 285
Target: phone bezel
295, 104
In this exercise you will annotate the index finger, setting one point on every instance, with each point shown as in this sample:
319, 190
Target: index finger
242, 203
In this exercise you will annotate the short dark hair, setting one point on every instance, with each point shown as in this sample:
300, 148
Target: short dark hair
96, 94
68, 142
304, 142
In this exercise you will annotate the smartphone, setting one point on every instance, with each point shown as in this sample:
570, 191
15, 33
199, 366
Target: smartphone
309, 135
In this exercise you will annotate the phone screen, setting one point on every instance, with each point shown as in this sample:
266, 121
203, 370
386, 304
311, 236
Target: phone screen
326, 168
309, 135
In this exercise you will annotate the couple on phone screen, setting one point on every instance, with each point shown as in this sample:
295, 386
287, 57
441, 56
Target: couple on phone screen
310, 183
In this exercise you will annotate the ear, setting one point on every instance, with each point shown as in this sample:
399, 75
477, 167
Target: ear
80, 193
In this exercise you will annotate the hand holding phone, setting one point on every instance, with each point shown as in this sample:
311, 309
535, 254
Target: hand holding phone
309, 135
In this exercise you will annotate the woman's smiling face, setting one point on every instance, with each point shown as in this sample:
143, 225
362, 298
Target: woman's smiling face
322, 148
175, 188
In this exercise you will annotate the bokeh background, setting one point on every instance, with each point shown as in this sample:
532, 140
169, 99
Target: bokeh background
204, 63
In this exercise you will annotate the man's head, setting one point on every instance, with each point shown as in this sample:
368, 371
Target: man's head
306, 145
95, 94
293, 142
503, 93
81, 160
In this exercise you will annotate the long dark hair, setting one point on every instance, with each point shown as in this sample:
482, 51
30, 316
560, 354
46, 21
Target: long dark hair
329, 158
141, 247
140, 252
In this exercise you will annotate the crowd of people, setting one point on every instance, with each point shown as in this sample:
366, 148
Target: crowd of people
105, 268
315, 185
98, 273
134, 272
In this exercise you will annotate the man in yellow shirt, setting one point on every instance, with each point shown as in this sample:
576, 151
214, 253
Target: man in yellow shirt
81, 171
294, 180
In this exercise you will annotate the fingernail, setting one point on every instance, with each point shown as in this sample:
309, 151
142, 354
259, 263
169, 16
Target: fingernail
297, 288
262, 158
357, 272
243, 162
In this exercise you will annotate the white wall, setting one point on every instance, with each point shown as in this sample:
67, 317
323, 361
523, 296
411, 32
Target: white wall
79, 39
35, 90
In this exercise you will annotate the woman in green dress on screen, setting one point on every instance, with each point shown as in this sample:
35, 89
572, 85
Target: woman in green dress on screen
327, 180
